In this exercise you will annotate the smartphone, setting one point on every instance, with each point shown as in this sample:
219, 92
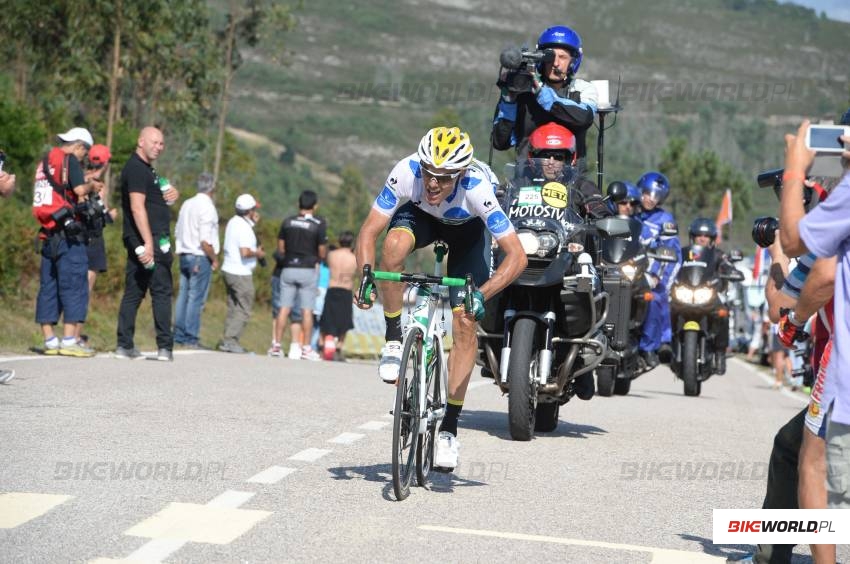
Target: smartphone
825, 138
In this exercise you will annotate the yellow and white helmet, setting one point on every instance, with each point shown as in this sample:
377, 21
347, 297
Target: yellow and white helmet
446, 147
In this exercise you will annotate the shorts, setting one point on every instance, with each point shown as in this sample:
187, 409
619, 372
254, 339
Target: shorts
337, 316
300, 284
775, 344
469, 244
96, 250
295, 315
815, 421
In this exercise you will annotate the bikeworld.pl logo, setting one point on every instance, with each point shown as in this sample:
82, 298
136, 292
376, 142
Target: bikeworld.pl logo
103, 471
781, 526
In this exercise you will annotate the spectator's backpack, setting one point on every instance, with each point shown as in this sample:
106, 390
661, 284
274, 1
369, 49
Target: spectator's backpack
52, 190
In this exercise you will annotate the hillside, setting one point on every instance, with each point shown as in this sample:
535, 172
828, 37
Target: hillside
363, 81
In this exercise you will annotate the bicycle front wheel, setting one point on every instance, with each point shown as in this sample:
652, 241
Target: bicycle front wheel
406, 414
434, 410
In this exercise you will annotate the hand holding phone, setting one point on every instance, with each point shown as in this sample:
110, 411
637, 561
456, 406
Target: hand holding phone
824, 139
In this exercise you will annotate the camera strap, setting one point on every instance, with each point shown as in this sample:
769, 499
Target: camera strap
63, 189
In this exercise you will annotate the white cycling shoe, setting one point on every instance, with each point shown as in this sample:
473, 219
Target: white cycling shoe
390, 362
447, 451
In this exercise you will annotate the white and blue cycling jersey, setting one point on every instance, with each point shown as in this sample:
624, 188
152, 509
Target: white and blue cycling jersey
474, 196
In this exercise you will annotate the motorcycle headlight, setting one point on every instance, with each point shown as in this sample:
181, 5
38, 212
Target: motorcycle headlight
703, 295
529, 242
683, 294
629, 271
547, 242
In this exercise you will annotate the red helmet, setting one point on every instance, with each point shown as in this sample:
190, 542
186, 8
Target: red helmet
552, 138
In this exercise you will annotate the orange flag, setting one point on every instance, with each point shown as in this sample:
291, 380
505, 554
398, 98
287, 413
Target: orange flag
724, 216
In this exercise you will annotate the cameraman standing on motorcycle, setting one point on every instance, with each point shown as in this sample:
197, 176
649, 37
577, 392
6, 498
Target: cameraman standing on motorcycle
450, 198
659, 229
556, 96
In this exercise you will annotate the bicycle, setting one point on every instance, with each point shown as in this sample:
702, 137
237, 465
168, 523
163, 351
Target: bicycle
420, 402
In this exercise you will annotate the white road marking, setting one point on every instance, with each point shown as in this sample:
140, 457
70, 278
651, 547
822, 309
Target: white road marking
346, 438
309, 454
374, 425
17, 508
231, 499
769, 380
156, 550
659, 555
271, 475
198, 523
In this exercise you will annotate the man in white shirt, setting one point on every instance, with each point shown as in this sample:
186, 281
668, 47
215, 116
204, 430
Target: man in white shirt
198, 248
241, 253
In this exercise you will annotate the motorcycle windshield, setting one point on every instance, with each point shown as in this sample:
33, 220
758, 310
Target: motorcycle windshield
618, 249
542, 189
697, 265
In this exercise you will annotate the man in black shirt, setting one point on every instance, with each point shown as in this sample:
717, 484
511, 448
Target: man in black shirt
147, 239
303, 243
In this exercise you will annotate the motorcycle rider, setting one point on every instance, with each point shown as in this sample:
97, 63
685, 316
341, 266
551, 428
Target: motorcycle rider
659, 227
703, 233
558, 96
450, 196
629, 207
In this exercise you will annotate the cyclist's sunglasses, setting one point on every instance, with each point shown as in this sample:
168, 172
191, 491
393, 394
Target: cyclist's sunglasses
440, 177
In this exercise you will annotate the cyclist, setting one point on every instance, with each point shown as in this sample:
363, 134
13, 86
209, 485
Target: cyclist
659, 228
450, 197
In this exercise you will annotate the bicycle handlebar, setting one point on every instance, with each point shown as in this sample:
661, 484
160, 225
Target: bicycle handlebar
367, 283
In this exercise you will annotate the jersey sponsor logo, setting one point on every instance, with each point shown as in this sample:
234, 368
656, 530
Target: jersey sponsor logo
498, 223
554, 194
393, 181
537, 211
386, 200
456, 213
469, 182
414, 167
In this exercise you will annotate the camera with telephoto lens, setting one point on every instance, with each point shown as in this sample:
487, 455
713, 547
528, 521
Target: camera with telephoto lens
764, 231
65, 221
518, 67
773, 179
94, 212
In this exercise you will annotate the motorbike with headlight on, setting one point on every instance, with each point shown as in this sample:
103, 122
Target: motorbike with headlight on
623, 266
698, 312
542, 336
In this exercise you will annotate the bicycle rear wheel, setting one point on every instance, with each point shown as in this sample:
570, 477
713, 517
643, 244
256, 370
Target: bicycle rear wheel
406, 414
435, 402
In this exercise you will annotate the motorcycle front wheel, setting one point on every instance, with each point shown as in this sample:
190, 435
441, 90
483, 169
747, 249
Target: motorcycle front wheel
522, 396
690, 357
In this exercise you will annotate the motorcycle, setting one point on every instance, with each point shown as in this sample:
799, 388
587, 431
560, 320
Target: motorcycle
544, 331
698, 311
623, 267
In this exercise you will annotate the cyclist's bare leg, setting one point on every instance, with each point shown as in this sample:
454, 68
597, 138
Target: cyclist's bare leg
462, 356
397, 246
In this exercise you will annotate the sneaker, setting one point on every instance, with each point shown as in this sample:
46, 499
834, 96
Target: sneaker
75, 349
51, 348
231, 347
6, 375
390, 362
307, 353
275, 350
294, 351
446, 453
165, 355
127, 354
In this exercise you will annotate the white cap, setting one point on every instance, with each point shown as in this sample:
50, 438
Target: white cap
246, 202
77, 134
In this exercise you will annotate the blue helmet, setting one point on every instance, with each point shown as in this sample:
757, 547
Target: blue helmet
655, 184
565, 38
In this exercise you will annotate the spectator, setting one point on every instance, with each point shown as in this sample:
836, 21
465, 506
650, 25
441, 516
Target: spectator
147, 239
197, 242
825, 232
7, 186
337, 318
59, 187
99, 214
302, 241
241, 253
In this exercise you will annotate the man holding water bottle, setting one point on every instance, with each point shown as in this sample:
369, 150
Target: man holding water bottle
145, 197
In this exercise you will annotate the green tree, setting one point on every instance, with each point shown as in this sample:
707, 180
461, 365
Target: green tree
348, 210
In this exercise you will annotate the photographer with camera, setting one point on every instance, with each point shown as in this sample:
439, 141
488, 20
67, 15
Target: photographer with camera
541, 87
60, 187
241, 255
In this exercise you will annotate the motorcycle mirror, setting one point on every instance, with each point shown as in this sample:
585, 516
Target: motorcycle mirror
617, 191
734, 275
735, 255
614, 227
663, 254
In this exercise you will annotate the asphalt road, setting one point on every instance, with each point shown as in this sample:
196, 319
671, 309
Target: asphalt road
225, 458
